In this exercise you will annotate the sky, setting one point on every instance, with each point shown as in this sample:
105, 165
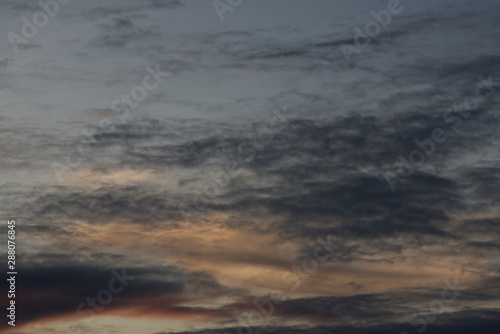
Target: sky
251, 166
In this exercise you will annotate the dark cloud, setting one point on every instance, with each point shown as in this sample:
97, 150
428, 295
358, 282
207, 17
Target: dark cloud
49, 291
107, 205
104, 12
166, 4
483, 320
326, 171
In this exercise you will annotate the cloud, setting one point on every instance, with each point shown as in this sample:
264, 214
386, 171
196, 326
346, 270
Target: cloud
320, 173
55, 291
457, 322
